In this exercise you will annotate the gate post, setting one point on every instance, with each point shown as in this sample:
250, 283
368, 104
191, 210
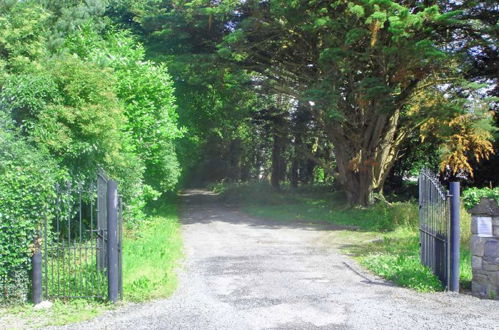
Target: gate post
102, 207
36, 276
112, 240
455, 236
485, 249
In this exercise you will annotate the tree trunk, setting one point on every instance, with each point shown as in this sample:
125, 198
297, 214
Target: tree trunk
310, 167
364, 162
235, 154
276, 174
294, 173
295, 163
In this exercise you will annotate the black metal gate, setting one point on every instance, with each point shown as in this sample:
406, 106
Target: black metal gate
75, 262
439, 228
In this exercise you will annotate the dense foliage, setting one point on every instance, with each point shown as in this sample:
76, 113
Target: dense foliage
76, 95
26, 199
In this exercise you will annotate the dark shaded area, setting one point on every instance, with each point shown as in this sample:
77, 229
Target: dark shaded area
215, 209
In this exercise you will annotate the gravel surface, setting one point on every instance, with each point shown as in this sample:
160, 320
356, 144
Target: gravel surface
245, 273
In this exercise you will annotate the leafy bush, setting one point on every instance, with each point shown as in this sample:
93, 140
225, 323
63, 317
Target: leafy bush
93, 101
69, 109
23, 26
472, 196
74, 99
148, 98
26, 195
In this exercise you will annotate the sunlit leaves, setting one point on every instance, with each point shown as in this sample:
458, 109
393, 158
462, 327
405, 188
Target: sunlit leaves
147, 93
357, 10
22, 36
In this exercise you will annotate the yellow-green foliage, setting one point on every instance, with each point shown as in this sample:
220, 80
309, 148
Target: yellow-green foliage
463, 126
22, 39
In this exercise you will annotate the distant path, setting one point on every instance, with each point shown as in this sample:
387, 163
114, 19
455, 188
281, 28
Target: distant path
246, 273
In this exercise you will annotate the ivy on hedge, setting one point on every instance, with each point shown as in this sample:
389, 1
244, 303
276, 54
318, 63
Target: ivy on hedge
27, 180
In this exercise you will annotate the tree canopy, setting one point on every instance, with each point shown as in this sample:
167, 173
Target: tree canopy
371, 74
352, 93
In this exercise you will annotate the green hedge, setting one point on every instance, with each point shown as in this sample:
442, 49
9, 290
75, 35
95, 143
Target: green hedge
27, 181
472, 196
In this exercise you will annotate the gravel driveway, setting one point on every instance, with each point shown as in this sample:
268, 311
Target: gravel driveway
246, 273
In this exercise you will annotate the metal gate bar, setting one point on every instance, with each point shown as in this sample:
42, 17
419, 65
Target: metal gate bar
438, 229
72, 259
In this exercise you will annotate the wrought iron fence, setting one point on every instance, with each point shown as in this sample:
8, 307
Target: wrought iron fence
438, 229
73, 256
434, 225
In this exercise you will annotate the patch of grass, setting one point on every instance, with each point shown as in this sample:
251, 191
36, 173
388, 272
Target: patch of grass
465, 268
384, 238
61, 313
150, 254
396, 258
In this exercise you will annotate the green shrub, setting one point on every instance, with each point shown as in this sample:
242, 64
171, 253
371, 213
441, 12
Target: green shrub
14, 287
472, 196
26, 195
147, 92
70, 110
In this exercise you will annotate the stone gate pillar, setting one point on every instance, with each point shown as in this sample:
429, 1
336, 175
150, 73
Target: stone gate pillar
485, 249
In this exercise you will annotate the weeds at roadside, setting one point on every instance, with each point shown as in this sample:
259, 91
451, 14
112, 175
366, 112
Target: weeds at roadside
60, 313
150, 255
396, 258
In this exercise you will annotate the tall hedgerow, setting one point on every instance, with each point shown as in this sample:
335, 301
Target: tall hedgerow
27, 179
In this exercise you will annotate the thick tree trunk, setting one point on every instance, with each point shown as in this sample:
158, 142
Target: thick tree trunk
295, 163
310, 171
294, 173
364, 162
235, 154
277, 162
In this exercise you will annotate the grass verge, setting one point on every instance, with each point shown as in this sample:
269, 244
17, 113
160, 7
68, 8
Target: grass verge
150, 254
61, 313
383, 238
151, 250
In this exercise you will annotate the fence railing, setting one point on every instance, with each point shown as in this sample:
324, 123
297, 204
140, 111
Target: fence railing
79, 251
439, 228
